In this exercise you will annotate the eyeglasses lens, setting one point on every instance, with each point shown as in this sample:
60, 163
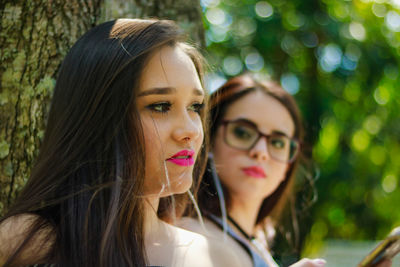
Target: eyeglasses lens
240, 135
244, 136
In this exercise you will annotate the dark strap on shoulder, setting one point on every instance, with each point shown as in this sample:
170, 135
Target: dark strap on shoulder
258, 261
218, 223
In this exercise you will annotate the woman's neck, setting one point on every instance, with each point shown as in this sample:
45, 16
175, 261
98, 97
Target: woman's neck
244, 213
159, 237
151, 222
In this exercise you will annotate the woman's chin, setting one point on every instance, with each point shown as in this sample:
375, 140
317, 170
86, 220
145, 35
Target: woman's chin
179, 186
182, 185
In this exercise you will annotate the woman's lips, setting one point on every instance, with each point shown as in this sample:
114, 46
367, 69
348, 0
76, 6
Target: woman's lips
254, 171
183, 158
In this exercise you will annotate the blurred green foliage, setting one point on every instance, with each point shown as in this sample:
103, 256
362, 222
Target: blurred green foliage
340, 59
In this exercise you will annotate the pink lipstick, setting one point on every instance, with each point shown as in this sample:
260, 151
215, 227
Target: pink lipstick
183, 158
254, 171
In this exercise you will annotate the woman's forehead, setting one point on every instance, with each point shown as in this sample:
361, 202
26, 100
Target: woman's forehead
170, 67
264, 110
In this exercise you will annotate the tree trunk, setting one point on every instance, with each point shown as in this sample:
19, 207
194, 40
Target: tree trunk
187, 13
35, 36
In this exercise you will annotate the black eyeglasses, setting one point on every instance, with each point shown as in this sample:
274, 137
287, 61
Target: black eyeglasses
243, 134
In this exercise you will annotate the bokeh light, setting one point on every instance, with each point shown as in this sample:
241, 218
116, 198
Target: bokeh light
264, 9
290, 83
389, 183
232, 65
330, 57
392, 20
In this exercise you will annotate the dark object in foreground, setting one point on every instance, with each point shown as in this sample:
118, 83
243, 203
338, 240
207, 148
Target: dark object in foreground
386, 249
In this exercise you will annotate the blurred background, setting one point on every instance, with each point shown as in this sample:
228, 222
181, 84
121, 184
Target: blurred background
340, 59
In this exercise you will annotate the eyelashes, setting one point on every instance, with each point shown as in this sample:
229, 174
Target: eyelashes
165, 107
161, 107
197, 107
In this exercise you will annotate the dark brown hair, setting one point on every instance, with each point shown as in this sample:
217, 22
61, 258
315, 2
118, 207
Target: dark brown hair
233, 90
87, 183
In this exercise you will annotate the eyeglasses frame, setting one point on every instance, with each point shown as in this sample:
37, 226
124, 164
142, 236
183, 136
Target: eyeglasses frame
260, 135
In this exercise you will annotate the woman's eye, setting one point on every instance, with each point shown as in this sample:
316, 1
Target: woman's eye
197, 107
242, 133
162, 107
278, 143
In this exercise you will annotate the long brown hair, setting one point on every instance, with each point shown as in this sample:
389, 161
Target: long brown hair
87, 183
233, 90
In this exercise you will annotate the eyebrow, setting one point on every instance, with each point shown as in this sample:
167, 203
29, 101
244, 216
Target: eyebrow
278, 132
198, 92
167, 91
158, 91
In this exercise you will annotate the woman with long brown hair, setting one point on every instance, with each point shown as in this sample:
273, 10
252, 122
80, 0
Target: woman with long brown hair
124, 131
255, 137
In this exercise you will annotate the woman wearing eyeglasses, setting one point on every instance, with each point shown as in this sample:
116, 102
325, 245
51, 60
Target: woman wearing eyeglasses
255, 136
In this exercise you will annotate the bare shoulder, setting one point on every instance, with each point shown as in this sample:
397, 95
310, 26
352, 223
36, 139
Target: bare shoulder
209, 243
223, 255
190, 224
208, 228
305, 262
15, 230
199, 250
17, 223
220, 241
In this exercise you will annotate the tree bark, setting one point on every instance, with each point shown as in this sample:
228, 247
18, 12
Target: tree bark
34, 37
187, 13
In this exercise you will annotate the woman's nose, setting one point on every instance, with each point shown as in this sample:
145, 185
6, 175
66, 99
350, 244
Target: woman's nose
260, 150
188, 128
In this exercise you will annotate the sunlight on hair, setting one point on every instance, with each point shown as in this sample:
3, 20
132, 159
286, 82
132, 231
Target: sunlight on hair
311, 174
198, 212
220, 197
166, 186
173, 210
